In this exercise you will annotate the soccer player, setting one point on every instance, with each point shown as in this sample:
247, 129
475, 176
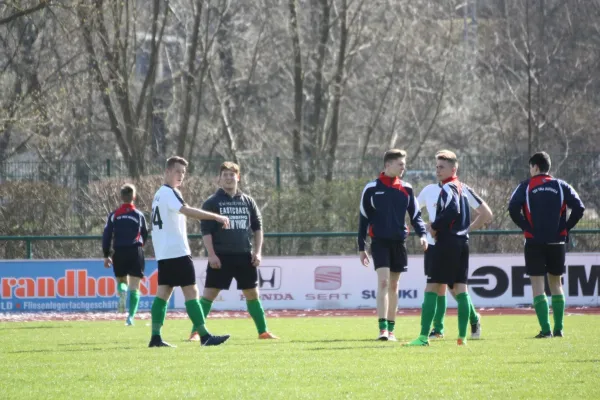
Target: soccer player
450, 261
383, 206
175, 266
428, 198
231, 253
539, 207
127, 232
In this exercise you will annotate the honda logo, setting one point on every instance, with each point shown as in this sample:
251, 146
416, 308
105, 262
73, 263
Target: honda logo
269, 278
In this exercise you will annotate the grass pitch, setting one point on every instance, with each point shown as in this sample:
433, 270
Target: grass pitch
317, 358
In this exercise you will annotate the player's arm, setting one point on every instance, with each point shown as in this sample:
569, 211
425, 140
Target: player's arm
414, 211
208, 227
515, 208
213, 259
366, 210
107, 237
482, 210
449, 209
484, 217
203, 215
574, 203
144, 230
256, 226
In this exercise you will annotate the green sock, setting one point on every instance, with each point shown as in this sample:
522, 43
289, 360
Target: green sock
383, 324
464, 309
440, 312
428, 312
257, 313
159, 312
391, 325
206, 306
540, 303
473, 316
122, 287
194, 311
134, 301
558, 311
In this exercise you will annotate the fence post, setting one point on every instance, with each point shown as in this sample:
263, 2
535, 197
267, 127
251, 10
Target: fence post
278, 186
28, 247
108, 167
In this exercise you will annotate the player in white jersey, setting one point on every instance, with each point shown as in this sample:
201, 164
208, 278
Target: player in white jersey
428, 198
175, 266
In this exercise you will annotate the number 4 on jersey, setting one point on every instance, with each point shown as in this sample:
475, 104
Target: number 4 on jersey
156, 218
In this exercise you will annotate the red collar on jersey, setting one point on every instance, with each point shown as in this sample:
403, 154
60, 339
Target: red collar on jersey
451, 179
394, 182
124, 209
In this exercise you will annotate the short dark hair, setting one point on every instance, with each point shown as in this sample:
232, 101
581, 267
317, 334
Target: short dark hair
541, 159
393, 154
447, 155
127, 193
176, 160
229, 166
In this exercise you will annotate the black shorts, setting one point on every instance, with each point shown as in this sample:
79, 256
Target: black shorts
542, 259
178, 271
238, 266
450, 263
129, 261
389, 253
428, 262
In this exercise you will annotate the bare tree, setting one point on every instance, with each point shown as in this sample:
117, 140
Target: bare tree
111, 36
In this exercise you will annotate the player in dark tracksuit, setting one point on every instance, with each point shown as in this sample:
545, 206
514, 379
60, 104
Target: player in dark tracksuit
127, 232
539, 207
234, 252
383, 207
450, 264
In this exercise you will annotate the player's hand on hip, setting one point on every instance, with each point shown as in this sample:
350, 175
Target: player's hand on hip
223, 220
256, 258
364, 258
214, 262
432, 231
424, 243
107, 262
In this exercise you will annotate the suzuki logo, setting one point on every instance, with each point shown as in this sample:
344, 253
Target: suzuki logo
269, 278
328, 278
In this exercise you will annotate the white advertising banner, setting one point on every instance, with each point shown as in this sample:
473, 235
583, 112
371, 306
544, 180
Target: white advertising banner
341, 282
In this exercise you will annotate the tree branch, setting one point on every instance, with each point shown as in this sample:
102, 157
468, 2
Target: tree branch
43, 4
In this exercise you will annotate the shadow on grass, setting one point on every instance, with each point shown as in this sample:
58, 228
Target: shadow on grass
334, 341
544, 362
349, 348
69, 350
583, 361
8, 328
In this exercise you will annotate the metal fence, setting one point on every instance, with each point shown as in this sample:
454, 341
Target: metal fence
73, 198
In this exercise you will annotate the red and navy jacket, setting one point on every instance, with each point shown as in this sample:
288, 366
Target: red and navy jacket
125, 227
383, 207
453, 214
539, 207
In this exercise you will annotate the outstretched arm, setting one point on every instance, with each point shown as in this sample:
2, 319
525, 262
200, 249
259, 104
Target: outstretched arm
204, 215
